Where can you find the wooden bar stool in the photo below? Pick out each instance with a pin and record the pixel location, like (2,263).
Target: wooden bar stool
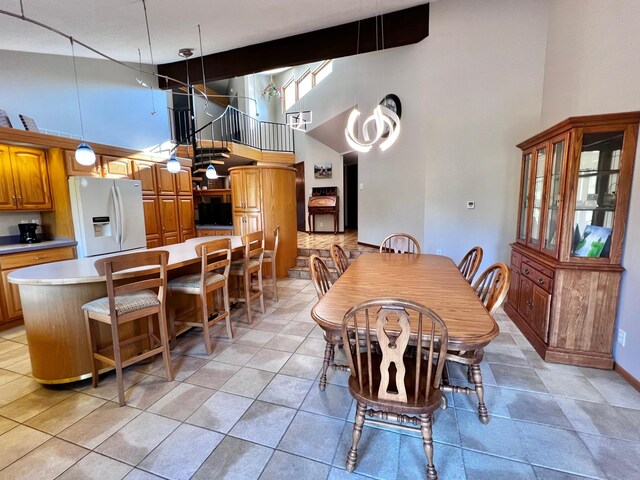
(270,257)
(214,273)
(246,267)
(125,303)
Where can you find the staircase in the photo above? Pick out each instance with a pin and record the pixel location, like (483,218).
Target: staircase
(301,269)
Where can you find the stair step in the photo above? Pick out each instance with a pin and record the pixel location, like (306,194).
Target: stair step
(305,273)
(302,261)
(324,253)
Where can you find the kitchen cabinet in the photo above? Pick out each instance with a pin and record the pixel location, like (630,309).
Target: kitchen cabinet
(169,220)
(575,186)
(106,166)
(145,172)
(187,226)
(24,179)
(74,169)
(115,167)
(246,192)
(184,186)
(151,208)
(166,180)
(12,308)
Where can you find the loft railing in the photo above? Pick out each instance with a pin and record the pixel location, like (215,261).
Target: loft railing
(231,126)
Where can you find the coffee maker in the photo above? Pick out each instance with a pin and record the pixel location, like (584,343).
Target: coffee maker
(28,233)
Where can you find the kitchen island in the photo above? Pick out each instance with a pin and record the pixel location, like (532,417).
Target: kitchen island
(52,297)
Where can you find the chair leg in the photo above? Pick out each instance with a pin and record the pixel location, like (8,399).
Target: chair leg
(427,442)
(225,293)
(247,295)
(92,348)
(164,339)
(328,353)
(117,357)
(352,457)
(261,289)
(483,413)
(150,331)
(275,280)
(204,310)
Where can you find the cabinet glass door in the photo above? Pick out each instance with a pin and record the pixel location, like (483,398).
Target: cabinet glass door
(553,197)
(596,189)
(538,190)
(524,199)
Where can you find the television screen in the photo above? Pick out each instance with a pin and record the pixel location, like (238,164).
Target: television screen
(215,214)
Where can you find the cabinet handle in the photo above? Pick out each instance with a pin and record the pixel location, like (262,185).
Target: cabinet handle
(529,304)
(19,199)
(13,197)
(41,258)
(541,281)
(526,270)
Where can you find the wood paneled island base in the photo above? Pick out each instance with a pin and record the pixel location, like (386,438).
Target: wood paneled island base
(52,298)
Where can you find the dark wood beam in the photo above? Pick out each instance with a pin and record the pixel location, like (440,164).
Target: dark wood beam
(402,27)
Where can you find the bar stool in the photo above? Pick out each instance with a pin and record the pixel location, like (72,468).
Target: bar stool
(214,255)
(247,266)
(125,303)
(270,257)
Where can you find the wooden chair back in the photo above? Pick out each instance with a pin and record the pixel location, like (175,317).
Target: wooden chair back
(320,275)
(470,263)
(28,123)
(253,246)
(5,121)
(400,243)
(380,364)
(154,260)
(214,255)
(339,258)
(492,286)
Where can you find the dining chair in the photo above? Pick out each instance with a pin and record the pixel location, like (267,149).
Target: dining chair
(5,121)
(270,258)
(339,258)
(491,288)
(470,263)
(28,123)
(250,264)
(400,243)
(322,282)
(125,303)
(215,260)
(391,383)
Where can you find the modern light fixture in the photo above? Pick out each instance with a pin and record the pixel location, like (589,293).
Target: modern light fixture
(173,165)
(84,153)
(299,120)
(211,172)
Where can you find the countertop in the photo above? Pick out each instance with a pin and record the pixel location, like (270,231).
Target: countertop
(28,247)
(70,272)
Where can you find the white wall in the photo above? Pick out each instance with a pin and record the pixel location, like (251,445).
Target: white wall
(115,109)
(592,67)
(9,222)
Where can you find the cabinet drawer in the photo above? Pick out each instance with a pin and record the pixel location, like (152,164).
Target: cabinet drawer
(538,278)
(546,271)
(516,258)
(27,259)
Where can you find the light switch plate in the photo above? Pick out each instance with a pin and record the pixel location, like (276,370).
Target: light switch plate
(362,186)
(471,204)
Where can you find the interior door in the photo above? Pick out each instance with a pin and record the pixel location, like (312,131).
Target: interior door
(300,197)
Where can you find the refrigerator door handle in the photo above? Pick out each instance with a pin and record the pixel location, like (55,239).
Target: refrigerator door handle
(120,215)
(116,207)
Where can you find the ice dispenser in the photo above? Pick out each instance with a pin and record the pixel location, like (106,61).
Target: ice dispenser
(101,227)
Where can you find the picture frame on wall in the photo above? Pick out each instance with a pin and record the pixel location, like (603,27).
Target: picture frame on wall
(323,170)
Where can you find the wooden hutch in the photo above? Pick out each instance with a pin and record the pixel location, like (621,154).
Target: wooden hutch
(566,262)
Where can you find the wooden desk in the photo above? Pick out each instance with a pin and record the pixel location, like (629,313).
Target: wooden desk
(431,280)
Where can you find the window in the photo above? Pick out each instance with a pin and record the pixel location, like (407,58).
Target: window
(322,71)
(289,94)
(305,83)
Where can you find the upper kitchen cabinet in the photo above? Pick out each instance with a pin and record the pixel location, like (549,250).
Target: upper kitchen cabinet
(166,180)
(105,166)
(566,267)
(146,173)
(184,186)
(115,167)
(74,169)
(24,179)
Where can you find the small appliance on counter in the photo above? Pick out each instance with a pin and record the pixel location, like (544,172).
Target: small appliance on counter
(28,233)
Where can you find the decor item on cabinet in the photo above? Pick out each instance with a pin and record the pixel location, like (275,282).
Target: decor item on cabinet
(574,197)
(84,153)
(5,121)
(28,123)
(323,170)
(384,120)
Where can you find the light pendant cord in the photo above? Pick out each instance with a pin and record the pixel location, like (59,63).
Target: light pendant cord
(75,74)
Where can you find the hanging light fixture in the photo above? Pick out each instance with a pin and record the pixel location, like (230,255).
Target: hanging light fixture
(84,153)
(173,165)
(211,172)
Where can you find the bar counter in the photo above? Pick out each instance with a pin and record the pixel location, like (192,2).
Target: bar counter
(52,296)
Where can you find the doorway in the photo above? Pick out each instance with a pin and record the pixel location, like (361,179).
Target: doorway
(300,197)
(350,172)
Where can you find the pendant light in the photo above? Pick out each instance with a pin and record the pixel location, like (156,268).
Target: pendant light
(211,172)
(84,153)
(173,165)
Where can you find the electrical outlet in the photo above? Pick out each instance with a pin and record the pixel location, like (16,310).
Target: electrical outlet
(438,251)
(622,337)
(362,186)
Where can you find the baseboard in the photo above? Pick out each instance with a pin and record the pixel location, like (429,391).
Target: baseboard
(368,245)
(633,381)
(11,324)
(340,232)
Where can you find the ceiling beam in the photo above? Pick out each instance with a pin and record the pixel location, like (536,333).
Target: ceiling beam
(402,27)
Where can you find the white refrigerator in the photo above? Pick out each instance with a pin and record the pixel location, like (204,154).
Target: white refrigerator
(108,215)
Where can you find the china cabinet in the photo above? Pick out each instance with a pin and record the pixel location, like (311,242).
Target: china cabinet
(575,187)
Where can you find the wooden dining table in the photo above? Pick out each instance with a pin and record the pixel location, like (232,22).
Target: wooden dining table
(431,280)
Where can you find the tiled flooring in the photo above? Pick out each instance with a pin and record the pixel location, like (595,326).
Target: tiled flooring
(347,240)
(253,410)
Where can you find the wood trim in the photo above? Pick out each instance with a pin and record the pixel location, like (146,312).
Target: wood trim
(631,380)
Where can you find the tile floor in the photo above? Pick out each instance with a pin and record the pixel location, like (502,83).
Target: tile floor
(253,410)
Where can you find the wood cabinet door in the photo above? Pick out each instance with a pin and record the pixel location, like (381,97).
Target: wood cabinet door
(239,227)
(169,220)
(187,226)
(116,167)
(11,297)
(151,208)
(252,190)
(253,222)
(166,180)
(31,178)
(237,190)
(8,199)
(74,169)
(153,241)
(514,289)
(146,173)
(524,298)
(183,182)
(539,319)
